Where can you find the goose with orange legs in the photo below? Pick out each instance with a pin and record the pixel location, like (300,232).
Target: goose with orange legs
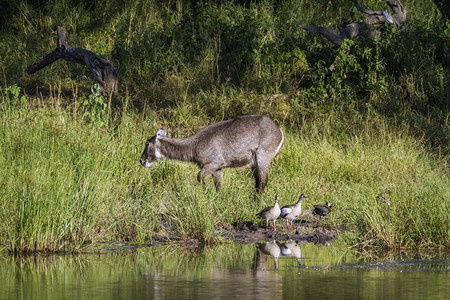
(271,213)
(292,212)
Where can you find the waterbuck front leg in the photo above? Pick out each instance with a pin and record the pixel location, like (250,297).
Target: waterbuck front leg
(210,170)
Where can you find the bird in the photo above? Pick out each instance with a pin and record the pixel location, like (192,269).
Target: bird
(322,210)
(271,213)
(291,212)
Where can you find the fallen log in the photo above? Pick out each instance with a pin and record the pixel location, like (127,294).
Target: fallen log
(102,69)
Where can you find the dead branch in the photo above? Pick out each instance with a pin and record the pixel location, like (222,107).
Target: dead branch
(349,32)
(380,17)
(102,69)
(374,18)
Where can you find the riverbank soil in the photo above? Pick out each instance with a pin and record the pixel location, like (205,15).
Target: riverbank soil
(302,230)
(307,229)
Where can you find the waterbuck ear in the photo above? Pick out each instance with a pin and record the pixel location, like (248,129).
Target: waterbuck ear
(161,132)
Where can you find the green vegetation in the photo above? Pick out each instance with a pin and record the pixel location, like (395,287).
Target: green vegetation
(378,124)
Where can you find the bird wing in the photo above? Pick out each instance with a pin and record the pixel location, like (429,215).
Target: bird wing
(264,210)
(286,251)
(285,211)
(321,209)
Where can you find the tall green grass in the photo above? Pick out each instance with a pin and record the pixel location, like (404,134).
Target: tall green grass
(68,183)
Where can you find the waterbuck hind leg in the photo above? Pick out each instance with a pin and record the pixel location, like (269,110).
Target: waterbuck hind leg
(217,175)
(199,176)
(261,177)
(256,176)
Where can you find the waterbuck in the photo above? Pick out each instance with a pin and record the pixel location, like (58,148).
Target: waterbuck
(245,141)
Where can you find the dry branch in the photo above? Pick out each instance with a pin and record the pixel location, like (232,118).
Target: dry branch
(355,29)
(102,69)
(349,32)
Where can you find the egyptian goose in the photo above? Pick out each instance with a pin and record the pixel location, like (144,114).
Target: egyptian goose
(291,212)
(271,213)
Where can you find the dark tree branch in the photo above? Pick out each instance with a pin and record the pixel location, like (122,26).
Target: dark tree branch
(383,16)
(102,69)
(349,32)
(352,30)
(366,11)
(48,59)
(399,12)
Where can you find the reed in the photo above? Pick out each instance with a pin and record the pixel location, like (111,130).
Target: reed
(69,184)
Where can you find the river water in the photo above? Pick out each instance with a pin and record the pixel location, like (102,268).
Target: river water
(233,271)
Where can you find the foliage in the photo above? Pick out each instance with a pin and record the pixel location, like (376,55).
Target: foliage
(95,107)
(11,96)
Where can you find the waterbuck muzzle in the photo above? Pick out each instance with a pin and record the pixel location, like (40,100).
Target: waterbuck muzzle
(151,152)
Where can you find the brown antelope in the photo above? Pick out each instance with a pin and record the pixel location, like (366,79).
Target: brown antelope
(245,141)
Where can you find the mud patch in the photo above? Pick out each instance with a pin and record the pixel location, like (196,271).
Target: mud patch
(302,231)
(308,230)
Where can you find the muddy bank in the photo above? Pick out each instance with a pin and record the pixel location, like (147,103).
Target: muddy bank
(303,231)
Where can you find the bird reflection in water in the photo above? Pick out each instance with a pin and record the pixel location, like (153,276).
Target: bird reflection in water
(290,248)
(268,248)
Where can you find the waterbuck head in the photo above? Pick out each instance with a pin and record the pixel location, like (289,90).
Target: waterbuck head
(151,151)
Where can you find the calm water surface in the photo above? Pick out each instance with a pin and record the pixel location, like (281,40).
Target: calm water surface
(234,271)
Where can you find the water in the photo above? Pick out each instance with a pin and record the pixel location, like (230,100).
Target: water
(233,271)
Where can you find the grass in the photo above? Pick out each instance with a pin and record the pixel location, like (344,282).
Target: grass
(70,184)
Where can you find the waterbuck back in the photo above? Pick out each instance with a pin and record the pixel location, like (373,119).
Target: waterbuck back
(245,141)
